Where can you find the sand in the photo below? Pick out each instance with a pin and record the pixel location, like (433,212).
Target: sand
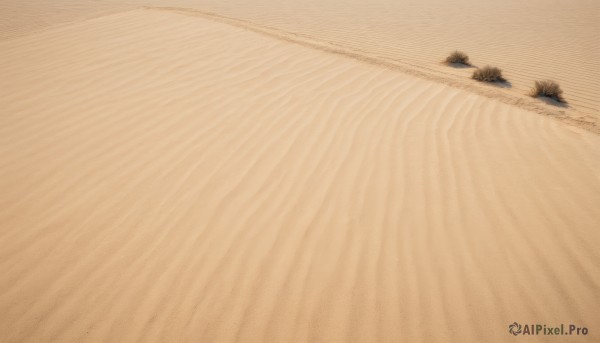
(529,40)
(169,175)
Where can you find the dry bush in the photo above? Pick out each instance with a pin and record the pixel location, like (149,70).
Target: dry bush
(548,89)
(488,74)
(458,57)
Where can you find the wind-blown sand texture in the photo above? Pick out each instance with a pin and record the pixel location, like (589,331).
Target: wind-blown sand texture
(529,40)
(168,175)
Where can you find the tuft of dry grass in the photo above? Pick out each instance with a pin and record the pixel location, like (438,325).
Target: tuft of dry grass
(458,57)
(548,89)
(488,74)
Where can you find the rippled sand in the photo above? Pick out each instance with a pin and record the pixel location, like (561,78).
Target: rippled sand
(176,175)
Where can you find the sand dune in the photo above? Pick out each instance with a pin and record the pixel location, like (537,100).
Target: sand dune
(530,40)
(167,177)
(19,18)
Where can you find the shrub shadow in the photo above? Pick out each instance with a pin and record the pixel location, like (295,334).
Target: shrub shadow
(459,65)
(553,102)
(501,84)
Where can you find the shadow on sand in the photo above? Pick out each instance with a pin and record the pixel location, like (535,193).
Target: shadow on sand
(459,65)
(553,102)
(501,84)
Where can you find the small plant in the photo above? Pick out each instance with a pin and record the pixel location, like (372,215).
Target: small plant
(488,74)
(459,58)
(548,89)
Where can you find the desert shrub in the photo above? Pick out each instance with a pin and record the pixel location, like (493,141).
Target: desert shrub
(458,57)
(548,89)
(488,74)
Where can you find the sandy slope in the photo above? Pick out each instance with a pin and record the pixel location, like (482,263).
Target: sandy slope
(530,40)
(165,177)
(22,17)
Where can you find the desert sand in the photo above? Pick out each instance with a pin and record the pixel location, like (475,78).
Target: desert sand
(202,173)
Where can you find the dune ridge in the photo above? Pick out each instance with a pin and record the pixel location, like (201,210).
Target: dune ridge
(344,202)
(522,100)
(21,18)
(535,40)
(530,41)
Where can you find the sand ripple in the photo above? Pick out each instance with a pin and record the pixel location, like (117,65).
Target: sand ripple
(165,177)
